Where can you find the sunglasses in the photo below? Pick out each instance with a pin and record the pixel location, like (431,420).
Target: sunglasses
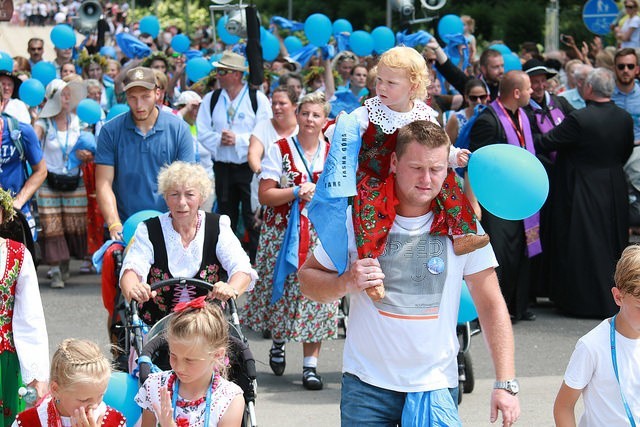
(36,48)
(224,72)
(476,98)
(630,6)
(621,67)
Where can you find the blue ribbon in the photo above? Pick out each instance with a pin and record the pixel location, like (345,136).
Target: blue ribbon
(328,208)
(342,41)
(147,360)
(96,259)
(412,40)
(451,49)
(430,408)
(287,261)
(287,24)
(304,55)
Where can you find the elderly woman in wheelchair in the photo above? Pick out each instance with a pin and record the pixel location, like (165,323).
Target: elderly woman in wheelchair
(185,242)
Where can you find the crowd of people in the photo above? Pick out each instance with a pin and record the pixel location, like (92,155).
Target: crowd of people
(240,174)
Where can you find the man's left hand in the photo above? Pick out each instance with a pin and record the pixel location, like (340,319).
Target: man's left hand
(508,404)
(228,138)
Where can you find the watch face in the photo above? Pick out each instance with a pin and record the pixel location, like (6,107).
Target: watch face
(514,386)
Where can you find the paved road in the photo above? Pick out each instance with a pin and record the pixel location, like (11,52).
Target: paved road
(543,348)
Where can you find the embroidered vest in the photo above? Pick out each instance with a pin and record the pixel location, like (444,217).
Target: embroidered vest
(13,265)
(210,270)
(374,158)
(532,223)
(30,418)
(278,216)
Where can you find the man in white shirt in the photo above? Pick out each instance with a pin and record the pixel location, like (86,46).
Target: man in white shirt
(225,130)
(403,348)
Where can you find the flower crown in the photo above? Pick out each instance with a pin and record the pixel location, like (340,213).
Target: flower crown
(84,60)
(157,55)
(6,204)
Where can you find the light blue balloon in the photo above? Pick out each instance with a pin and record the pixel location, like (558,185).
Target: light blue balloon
(450,25)
(44,71)
(511,62)
(181,43)
(383,39)
(293,44)
(342,26)
(6,62)
(508,181)
(198,68)
(130,225)
(467,311)
(31,92)
(318,29)
(89,111)
(120,395)
(270,47)
(63,36)
(503,49)
(150,25)
(108,51)
(116,110)
(225,36)
(361,43)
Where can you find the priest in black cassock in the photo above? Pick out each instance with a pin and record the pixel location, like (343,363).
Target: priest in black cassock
(589,205)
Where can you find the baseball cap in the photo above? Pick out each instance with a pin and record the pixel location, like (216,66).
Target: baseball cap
(140,77)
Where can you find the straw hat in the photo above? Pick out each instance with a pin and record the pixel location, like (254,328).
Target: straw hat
(231,61)
(53,92)
(186,97)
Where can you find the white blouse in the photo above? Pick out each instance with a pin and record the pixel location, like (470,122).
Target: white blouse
(58,145)
(272,162)
(29,327)
(185,262)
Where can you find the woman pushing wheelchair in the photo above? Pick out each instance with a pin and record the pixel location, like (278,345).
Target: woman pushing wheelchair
(185,242)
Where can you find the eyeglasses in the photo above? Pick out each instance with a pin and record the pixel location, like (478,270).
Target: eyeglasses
(630,6)
(36,48)
(224,72)
(621,67)
(477,98)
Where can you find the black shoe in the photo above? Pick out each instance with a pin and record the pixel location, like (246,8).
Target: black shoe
(310,379)
(528,316)
(277,352)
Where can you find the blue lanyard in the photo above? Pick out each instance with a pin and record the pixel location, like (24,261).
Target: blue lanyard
(614,360)
(207,408)
(304,160)
(65,154)
(231,118)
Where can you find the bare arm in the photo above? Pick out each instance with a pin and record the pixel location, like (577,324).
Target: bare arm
(107,200)
(255,154)
(452,128)
(323,285)
(31,185)
(564,406)
(468,191)
(233,415)
(329,82)
(498,333)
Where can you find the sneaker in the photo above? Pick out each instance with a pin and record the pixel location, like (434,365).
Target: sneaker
(56,280)
(87,268)
(310,379)
(277,359)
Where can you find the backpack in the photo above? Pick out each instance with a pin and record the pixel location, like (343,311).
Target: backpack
(252,96)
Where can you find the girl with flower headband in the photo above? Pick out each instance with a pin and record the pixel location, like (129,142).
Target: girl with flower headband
(80,375)
(24,346)
(195,393)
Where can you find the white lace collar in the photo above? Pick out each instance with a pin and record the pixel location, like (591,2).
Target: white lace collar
(389,120)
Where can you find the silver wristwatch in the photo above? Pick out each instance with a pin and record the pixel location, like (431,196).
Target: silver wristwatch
(512,386)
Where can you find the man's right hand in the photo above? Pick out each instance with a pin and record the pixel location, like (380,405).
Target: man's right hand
(115,232)
(364,273)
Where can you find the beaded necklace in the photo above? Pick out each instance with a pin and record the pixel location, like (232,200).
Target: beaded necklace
(53,417)
(173,385)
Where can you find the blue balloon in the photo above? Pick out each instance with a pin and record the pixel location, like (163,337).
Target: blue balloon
(293,44)
(108,51)
(130,225)
(31,92)
(270,46)
(225,36)
(318,29)
(511,62)
(450,25)
(6,62)
(198,68)
(503,49)
(116,110)
(383,39)
(181,43)
(467,311)
(361,43)
(342,26)
(63,36)
(508,181)
(89,111)
(150,25)
(44,71)
(120,395)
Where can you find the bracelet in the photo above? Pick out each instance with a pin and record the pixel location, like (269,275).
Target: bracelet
(296,191)
(114,225)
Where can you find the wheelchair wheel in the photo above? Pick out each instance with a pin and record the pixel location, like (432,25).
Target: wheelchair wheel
(470,381)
